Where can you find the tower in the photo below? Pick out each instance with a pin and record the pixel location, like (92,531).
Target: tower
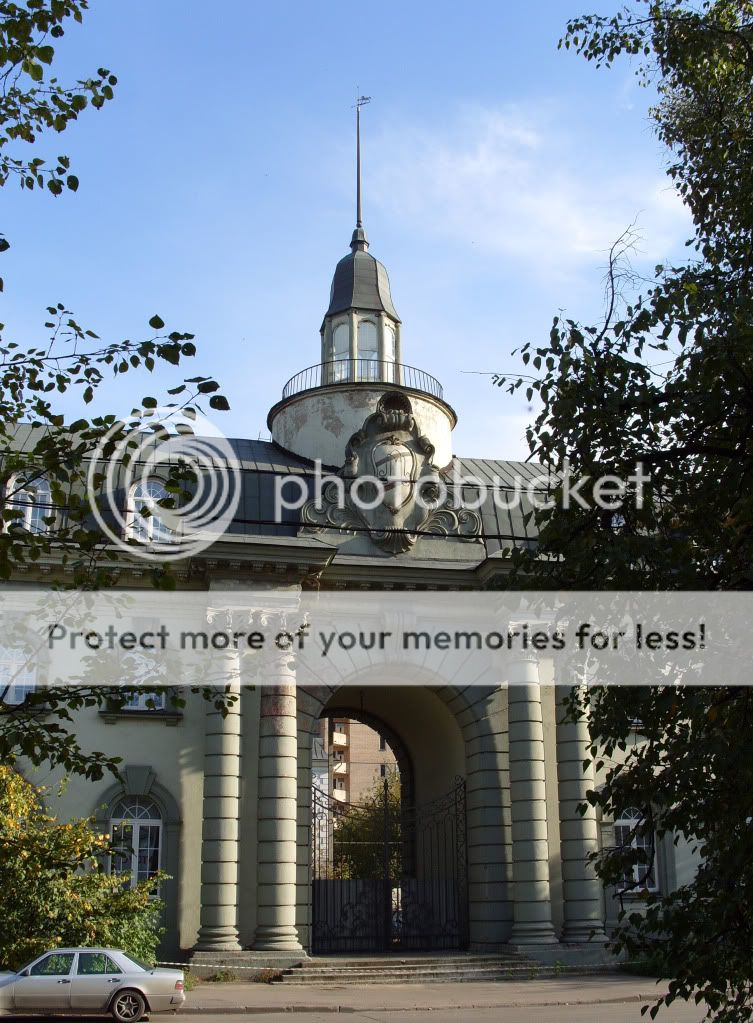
(360,363)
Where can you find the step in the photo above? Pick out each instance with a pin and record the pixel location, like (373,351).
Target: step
(359,962)
(402,968)
(535,972)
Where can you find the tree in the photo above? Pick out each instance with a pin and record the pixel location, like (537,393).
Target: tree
(363,832)
(55,891)
(665,382)
(37,440)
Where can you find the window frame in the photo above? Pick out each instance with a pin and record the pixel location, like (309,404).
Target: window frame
(630,818)
(368,358)
(136,825)
(33,512)
(104,973)
(142,528)
(45,958)
(25,688)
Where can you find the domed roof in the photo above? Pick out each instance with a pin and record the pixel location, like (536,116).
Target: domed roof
(360,281)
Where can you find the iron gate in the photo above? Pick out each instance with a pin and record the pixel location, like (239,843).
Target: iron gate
(389,877)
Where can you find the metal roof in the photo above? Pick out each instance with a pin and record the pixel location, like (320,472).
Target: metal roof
(360,282)
(263,464)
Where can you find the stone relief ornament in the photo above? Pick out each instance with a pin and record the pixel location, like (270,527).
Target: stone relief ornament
(389,485)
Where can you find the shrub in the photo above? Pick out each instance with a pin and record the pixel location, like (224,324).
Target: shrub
(54,889)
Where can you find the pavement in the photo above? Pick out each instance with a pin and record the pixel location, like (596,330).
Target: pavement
(243,999)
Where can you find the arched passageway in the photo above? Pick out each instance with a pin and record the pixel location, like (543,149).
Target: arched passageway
(433,892)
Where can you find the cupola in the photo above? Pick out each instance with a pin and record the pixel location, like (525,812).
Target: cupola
(360,359)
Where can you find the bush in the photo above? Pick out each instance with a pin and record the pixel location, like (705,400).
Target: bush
(54,890)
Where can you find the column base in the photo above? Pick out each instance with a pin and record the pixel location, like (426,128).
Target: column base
(533,934)
(583,934)
(276,939)
(217,939)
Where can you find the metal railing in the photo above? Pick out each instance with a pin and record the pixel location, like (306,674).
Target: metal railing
(362,371)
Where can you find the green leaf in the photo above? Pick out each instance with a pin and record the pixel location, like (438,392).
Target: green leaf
(219,402)
(157,322)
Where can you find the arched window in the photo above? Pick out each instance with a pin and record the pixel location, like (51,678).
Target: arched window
(341,352)
(368,351)
(143,520)
(18,675)
(30,494)
(625,837)
(388,366)
(136,829)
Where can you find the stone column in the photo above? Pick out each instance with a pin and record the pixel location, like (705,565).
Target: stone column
(583,919)
(532,911)
(219,839)
(278,803)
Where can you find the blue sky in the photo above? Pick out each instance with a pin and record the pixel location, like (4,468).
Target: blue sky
(218,189)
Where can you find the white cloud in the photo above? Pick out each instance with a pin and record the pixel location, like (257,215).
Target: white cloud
(522,184)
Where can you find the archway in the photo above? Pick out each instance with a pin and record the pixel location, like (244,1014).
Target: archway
(447,730)
(429,729)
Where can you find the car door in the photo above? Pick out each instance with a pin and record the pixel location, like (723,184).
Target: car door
(48,984)
(96,978)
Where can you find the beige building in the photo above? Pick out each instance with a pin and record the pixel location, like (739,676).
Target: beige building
(358,756)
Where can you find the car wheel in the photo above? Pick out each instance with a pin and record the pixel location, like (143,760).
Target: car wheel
(127,1006)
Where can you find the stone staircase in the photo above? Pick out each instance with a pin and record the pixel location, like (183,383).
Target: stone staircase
(328,971)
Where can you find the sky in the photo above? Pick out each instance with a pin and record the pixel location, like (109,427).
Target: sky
(218,190)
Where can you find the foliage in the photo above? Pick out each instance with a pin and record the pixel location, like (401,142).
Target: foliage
(360,830)
(665,382)
(31,100)
(37,439)
(55,892)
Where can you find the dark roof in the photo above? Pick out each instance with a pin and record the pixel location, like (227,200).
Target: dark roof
(360,282)
(262,462)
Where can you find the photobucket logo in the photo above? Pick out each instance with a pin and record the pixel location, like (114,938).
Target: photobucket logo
(163,484)
(462,491)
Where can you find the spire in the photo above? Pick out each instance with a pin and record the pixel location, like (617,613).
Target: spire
(359,241)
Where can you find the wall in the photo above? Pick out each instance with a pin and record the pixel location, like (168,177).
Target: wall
(319,424)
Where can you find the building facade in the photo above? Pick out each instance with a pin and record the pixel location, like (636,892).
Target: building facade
(223,804)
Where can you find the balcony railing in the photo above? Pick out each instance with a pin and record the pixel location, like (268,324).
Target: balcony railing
(362,371)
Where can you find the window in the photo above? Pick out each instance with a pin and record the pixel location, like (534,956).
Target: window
(136,827)
(382,743)
(144,521)
(382,770)
(95,963)
(145,700)
(341,352)
(339,782)
(138,963)
(626,838)
(18,675)
(58,964)
(368,351)
(388,366)
(30,494)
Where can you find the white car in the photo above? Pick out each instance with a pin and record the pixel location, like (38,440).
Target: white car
(93,981)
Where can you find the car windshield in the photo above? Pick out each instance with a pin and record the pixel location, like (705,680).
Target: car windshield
(138,963)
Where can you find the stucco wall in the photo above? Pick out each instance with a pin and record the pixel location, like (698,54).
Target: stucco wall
(319,424)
